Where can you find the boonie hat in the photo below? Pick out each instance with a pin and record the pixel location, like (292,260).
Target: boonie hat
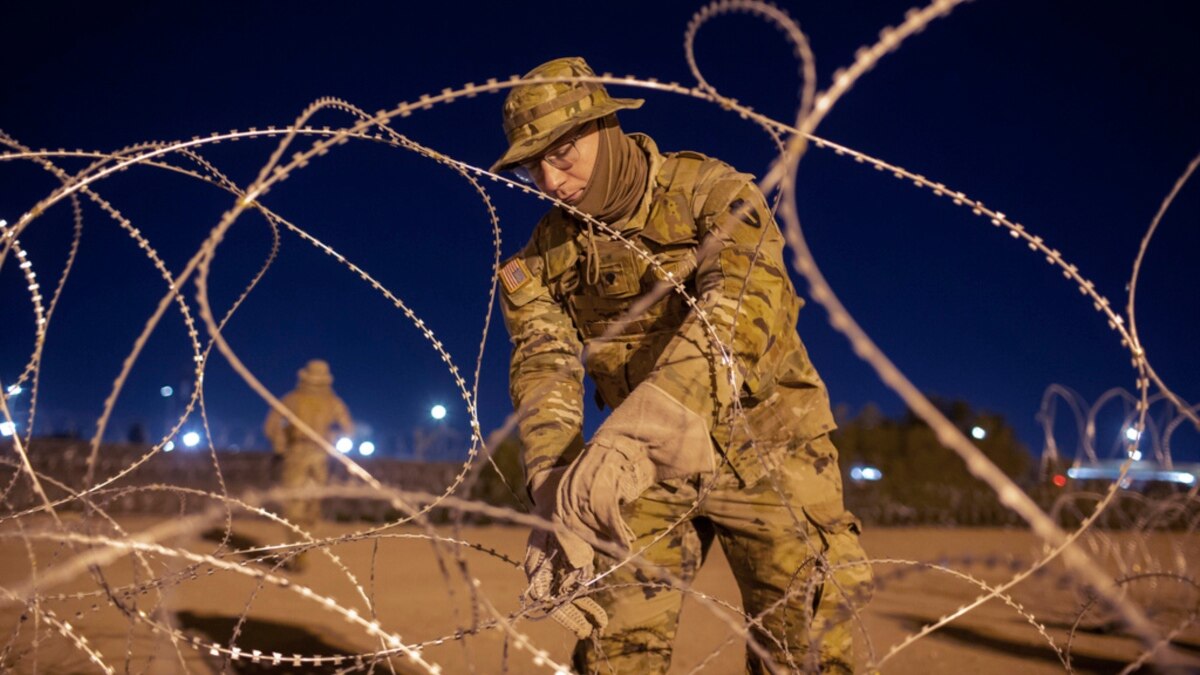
(537,115)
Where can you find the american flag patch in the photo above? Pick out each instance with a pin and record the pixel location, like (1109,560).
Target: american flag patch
(514,275)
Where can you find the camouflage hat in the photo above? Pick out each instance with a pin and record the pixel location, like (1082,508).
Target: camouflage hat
(315,372)
(537,115)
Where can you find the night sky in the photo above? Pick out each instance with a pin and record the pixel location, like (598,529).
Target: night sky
(1074,118)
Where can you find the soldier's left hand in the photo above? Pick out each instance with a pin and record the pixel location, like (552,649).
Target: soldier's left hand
(648,438)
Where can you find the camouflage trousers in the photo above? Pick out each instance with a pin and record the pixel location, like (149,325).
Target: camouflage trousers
(792,547)
(303,467)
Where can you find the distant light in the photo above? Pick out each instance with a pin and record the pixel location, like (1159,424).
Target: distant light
(7,428)
(191,439)
(438,412)
(1060,480)
(169,446)
(1135,455)
(978,433)
(1132,434)
(166,392)
(861,473)
(1111,473)
(14,389)
(366,448)
(344,445)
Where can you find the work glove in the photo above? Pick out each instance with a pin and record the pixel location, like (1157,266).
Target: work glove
(650,437)
(550,575)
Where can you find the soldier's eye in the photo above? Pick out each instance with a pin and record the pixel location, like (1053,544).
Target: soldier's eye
(560,151)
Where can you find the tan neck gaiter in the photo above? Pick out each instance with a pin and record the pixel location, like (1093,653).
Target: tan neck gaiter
(619,178)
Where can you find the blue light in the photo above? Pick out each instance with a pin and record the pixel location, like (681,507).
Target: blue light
(1111,473)
(861,473)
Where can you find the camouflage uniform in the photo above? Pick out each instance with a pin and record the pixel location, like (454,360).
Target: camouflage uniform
(710,227)
(305,464)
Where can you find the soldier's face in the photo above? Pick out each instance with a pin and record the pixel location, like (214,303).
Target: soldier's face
(568,183)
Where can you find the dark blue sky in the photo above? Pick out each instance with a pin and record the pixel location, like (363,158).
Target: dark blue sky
(1074,118)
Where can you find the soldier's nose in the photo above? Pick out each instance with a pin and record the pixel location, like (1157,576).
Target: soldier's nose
(552,178)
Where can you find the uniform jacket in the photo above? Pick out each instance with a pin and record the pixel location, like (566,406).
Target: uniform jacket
(316,406)
(567,300)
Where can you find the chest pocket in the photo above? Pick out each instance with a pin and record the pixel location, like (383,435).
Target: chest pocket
(672,235)
(670,221)
(561,253)
(620,270)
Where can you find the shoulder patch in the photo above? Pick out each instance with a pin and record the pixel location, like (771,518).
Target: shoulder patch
(515,275)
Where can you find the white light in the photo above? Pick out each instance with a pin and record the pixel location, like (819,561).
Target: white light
(366,448)
(1111,473)
(1132,434)
(344,445)
(191,439)
(169,446)
(978,433)
(15,389)
(438,412)
(166,391)
(7,428)
(861,473)
(1135,455)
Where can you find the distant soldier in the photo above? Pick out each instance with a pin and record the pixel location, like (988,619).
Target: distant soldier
(304,463)
(577,299)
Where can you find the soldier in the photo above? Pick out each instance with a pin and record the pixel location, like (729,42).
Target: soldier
(304,463)
(747,447)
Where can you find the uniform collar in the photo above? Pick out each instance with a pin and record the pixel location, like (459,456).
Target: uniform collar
(636,221)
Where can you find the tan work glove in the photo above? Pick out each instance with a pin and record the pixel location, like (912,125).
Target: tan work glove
(550,575)
(651,437)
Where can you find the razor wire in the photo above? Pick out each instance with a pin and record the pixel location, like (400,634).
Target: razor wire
(1071,533)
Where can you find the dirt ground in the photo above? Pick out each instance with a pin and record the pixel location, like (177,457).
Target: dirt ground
(421,597)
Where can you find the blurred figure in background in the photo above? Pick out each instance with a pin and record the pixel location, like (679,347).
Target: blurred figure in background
(304,463)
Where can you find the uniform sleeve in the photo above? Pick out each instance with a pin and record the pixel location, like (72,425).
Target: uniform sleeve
(744,290)
(546,375)
(344,422)
(273,428)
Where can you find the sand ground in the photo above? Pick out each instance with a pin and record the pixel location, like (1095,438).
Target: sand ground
(419,598)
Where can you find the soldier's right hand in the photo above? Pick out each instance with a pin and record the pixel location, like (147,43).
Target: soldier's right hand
(553,583)
(555,587)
